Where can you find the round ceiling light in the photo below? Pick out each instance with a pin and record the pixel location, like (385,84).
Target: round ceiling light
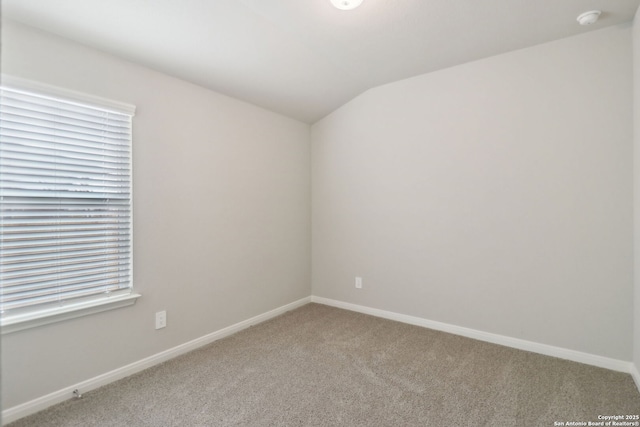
(589,18)
(346,4)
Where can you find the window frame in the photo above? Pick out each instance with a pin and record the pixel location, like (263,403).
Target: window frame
(43,316)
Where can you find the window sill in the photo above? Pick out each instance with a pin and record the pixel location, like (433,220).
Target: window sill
(45,317)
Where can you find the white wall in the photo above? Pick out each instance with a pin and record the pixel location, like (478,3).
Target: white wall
(496,195)
(221,216)
(636,180)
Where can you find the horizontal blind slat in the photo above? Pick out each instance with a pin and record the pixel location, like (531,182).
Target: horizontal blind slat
(23,262)
(122,178)
(66,296)
(115,136)
(18,152)
(34,139)
(59,244)
(50,251)
(85,274)
(14,153)
(18,137)
(35,102)
(40,139)
(33,118)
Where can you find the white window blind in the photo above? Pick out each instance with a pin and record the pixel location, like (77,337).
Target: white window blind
(65,194)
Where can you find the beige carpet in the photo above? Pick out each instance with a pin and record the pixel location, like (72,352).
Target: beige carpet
(322,366)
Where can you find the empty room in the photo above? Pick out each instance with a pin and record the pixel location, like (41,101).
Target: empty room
(320,213)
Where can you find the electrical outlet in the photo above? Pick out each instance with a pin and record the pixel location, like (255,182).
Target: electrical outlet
(161,319)
(358,282)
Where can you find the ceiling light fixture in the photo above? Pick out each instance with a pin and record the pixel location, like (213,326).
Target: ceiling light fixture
(589,18)
(346,4)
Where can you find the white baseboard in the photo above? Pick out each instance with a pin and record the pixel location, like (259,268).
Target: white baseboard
(636,375)
(548,350)
(33,406)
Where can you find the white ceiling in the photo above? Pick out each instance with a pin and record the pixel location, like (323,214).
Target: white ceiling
(304,58)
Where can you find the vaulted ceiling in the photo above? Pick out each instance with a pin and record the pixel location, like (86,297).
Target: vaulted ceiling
(304,58)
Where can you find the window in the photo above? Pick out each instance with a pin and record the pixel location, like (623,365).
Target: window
(65,206)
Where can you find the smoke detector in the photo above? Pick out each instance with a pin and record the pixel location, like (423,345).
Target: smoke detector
(346,4)
(589,18)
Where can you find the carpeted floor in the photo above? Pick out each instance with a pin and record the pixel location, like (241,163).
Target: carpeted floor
(322,366)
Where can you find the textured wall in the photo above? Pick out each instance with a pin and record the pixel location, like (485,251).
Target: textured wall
(496,195)
(221,217)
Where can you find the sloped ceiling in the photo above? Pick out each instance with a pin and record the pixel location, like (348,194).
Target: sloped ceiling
(304,58)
